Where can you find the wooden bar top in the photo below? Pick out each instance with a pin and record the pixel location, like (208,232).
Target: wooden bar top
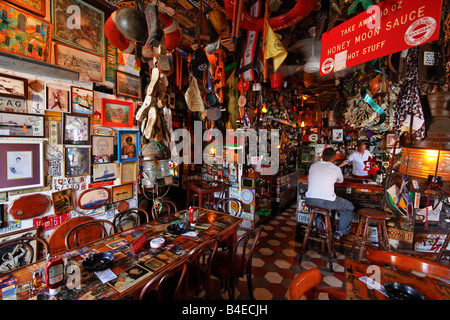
(350,183)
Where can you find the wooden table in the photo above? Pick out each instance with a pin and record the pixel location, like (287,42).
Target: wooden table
(133,270)
(200,187)
(355,289)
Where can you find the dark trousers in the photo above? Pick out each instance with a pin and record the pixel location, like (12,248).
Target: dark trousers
(341,205)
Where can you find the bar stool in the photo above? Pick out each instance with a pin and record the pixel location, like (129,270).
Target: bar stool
(368,215)
(323,238)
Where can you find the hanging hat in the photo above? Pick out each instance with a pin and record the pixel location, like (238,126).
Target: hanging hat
(132,24)
(199,64)
(116,37)
(171,31)
(219,22)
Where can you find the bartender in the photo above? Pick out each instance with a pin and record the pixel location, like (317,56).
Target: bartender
(360,161)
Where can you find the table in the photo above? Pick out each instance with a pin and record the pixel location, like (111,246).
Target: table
(200,187)
(133,270)
(355,289)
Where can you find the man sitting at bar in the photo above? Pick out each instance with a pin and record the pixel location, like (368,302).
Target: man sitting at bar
(321,179)
(360,161)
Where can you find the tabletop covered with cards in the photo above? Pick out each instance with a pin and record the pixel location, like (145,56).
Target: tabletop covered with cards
(133,266)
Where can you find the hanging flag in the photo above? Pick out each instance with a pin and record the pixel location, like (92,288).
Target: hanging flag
(274,48)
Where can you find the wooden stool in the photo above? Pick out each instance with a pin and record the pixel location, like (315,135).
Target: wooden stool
(368,215)
(321,237)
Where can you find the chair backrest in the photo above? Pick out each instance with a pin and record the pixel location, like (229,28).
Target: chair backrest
(171,209)
(10,261)
(252,237)
(133,215)
(405,263)
(96,227)
(211,194)
(224,204)
(303,283)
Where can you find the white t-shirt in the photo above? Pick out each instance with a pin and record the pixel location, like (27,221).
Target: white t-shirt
(321,179)
(358,162)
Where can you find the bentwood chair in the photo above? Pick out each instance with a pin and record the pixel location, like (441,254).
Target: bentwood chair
(224,205)
(303,284)
(96,228)
(211,198)
(129,218)
(169,205)
(20,247)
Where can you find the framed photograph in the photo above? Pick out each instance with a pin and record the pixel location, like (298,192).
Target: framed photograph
(338,135)
(117,113)
(13,257)
(102,149)
(88,65)
(82,100)
(93,198)
(122,192)
(128,172)
(62,201)
(89,36)
(128,85)
(21,164)
(104,172)
(58,98)
(77,161)
(13,87)
(24,34)
(390,140)
(128,145)
(21,125)
(75,129)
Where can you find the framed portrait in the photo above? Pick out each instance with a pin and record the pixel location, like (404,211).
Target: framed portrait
(89,36)
(128,85)
(21,164)
(77,161)
(62,201)
(58,98)
(21,125)
(117,113)
(122,192)
(17,256)
(75,129)
(128,172)
(13,87)
(82,100)
(93,198)
(128,145)
(24,34)
(102,149)
(104,172)
(88,65)
(36,6)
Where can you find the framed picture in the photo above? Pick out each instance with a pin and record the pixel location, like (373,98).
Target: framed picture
(390,140)
(82,100)
(104,172)
(75,129)
(21,164)
(21,125)
(128,85)
(88,65)
(62,201)
(122,192)
(77,161)
(25,34)
(89,35)
(117,113)
(36,6)
(13,105)
(58,98)
(13,87)
(128,145)
(338,135)
(128,172)
(102,149)
(13,257)
(93,198)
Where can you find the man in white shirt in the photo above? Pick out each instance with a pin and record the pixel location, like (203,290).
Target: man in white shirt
(321,179)
(361,155)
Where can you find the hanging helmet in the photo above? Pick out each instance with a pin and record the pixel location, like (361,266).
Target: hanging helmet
(132,24)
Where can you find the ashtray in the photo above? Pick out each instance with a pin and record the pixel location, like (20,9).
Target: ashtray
(399,291)
(176,228)
(98,261)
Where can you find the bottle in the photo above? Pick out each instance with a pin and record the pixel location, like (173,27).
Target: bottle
(54,274)
(37,280)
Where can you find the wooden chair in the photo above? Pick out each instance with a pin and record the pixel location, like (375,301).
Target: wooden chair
(405,263)
(211,199)
(303,284)
(132,215)
(165,203)
(232,264)
(96,228)
(224,204)
(23,242)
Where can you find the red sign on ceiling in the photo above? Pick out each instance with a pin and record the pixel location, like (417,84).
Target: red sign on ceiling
(383,29)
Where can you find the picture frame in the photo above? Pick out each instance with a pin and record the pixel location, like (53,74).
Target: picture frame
(121,192)
(62,201)
(82,100)
(390,140)
(128,85)
(88,65)
(93,198)
(21,164)
(14,257)
(117,113)
(38,7)
(76,129)
(102,149)
(77,161)
(58,98)
(13,105)
(13,87)
(89,35)
(128,172)
(338,135)
(128,145)
(104,172)
(25,34)
(22,125)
